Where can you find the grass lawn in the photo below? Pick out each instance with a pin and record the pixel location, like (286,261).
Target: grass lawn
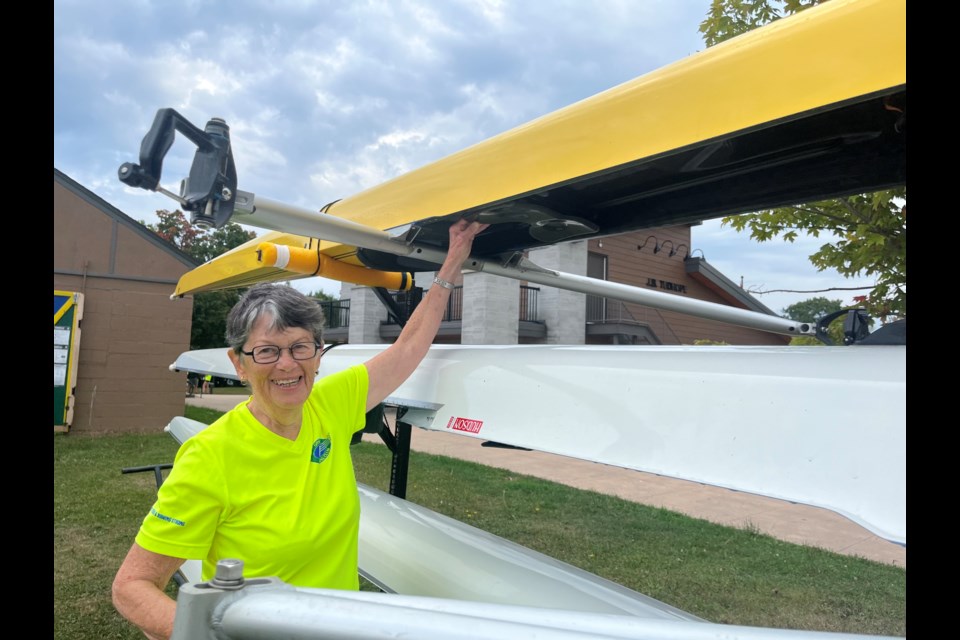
(722,574)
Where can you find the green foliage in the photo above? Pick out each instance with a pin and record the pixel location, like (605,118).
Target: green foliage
(871,232)
(209,308)
(322,296)
(218,241)
(202,245)
(174,227)
(870,229)
(811,310)
(729,18)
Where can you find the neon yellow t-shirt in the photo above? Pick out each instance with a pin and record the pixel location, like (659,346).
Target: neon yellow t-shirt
(287,509)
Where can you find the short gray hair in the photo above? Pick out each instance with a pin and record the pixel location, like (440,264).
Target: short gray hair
(284,305)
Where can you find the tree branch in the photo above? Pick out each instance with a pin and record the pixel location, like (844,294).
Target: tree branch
(760,293)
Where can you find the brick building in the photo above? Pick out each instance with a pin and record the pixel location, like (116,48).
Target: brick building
(490,309)
(131,330)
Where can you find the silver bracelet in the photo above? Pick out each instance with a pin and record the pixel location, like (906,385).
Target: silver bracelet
(443,283)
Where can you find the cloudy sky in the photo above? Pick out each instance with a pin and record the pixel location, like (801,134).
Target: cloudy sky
(325,99)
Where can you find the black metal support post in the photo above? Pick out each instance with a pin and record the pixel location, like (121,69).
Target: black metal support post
(401,460)
(156,468)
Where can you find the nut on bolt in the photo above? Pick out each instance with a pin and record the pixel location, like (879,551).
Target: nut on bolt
(229,574)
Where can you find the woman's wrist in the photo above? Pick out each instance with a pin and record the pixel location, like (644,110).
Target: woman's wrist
(450,274)
(446,284)
(452,279)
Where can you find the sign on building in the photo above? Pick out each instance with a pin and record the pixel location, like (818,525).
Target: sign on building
(67,313)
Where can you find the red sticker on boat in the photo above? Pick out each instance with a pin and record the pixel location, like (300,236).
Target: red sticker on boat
(464,424)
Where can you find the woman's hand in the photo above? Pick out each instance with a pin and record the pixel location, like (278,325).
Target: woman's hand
(388,369)
(462,233)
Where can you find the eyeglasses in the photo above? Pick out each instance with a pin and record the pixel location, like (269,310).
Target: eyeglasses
(268,354)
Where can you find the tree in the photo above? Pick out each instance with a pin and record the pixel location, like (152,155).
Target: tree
(322,296)
(202,245)
(729,18)
(334,314)
(811,310)
(210,308)
(870,229)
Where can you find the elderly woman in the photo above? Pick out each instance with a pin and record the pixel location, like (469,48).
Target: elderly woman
(271,482)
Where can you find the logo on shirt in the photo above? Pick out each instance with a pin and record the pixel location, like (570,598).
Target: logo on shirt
(320,451)
(157,514)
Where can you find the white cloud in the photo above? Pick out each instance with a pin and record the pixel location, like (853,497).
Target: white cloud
(325,99)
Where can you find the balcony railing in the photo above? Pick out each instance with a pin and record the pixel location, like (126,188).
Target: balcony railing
(605,311)
(529,297)
(596,309)
(529,308)
(336,313)
(599,311)
(454,310)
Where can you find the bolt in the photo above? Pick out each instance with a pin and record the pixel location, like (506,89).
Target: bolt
(229,573)
(226,194)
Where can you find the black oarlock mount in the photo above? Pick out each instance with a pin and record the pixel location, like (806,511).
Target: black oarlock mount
(856,326)
(208,194)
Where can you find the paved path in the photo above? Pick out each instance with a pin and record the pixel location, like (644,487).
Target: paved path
(795,523)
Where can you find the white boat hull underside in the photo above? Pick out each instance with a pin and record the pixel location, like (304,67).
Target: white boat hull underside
(824,426)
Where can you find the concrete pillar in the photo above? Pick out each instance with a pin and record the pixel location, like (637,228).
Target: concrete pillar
(563,312)
(366,314)
(491,309)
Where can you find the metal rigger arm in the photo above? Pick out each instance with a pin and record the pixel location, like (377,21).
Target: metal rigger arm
(210,195)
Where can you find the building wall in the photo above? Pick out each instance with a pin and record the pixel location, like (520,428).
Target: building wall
(491,309)
(131,331)
(490,315)
(367,314)
(564,312)
(631,260)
